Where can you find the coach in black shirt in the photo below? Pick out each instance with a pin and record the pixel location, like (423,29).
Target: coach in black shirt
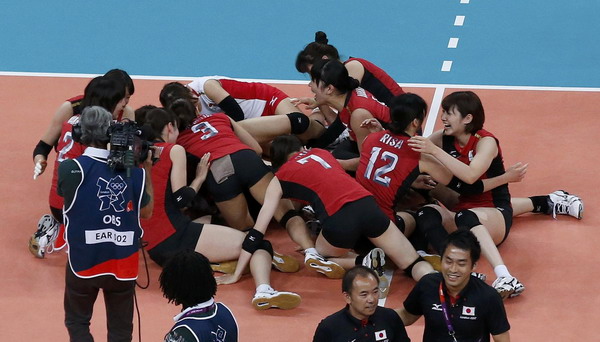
(456,305)
(361,320)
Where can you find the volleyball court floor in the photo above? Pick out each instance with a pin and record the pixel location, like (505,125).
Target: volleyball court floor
(555,131)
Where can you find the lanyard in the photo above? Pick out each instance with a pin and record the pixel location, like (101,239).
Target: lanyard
(445,312)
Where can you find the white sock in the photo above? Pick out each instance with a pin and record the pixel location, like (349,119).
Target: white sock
(501,271)
(311,250)
(264,288)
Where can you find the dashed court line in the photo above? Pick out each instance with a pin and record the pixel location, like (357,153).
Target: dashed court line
(446,65)
(459,20)
(452,43)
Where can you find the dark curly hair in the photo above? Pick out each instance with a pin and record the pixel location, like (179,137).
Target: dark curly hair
(187,279)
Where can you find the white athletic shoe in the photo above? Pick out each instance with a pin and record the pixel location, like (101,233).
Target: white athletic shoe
(478,275)
(329,268)
(375,260)
(41,241)
(563,203)
(275,299)
(508,287)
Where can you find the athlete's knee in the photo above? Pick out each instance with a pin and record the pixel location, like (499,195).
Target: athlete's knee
(287,216)
(427,216)
(298,122)
(253,241)
(466,220)
(406,221)
(408,270)
(267,246)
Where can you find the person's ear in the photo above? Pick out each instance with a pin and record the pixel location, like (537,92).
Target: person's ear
(416,123)
(347,297)
(329,89)
(467,119)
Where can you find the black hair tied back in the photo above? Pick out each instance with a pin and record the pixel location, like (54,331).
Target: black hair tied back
(321,37)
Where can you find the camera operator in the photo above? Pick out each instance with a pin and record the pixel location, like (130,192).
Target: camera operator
(102,209)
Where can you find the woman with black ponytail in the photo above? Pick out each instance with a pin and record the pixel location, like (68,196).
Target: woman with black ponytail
(371,77)
(334,87)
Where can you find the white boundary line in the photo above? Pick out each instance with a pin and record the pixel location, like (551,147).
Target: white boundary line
(434,109)
(410,85)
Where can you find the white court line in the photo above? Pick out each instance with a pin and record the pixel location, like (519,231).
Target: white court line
(447,66)
(434,109)
(459,20)
(464,1)
(452,43)
(305,82)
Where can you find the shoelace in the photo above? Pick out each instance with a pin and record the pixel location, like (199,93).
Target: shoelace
(52,241)
(560,208)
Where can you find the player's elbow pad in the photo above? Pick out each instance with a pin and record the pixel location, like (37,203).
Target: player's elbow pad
(230,106)
(466,188)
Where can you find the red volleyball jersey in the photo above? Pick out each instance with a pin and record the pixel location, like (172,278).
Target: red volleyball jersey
(211,133)
(378,82)
(498,197)
(66,148)
(360,98)
(315,177)
(387,168)
(159,227)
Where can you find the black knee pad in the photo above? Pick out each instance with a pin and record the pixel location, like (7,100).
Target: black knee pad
(252,241)
(399,221)
(299,122)
(408,270)
(287,216)
(466,220)
(426,215)
(266,245)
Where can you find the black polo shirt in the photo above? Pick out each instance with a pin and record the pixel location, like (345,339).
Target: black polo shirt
(477,313)
(383,326)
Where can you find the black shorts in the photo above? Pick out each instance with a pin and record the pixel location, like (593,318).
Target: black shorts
(364,245)
(249,169)
(185,238)
(346,149)
(361,218)
(507,212)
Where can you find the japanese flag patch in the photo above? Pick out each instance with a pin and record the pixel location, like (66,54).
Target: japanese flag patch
(468,311)
(380,335)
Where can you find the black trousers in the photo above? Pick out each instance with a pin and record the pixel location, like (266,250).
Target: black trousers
(80,295)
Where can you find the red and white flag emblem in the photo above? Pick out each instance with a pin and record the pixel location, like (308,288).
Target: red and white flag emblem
(468,311)
(380,335)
